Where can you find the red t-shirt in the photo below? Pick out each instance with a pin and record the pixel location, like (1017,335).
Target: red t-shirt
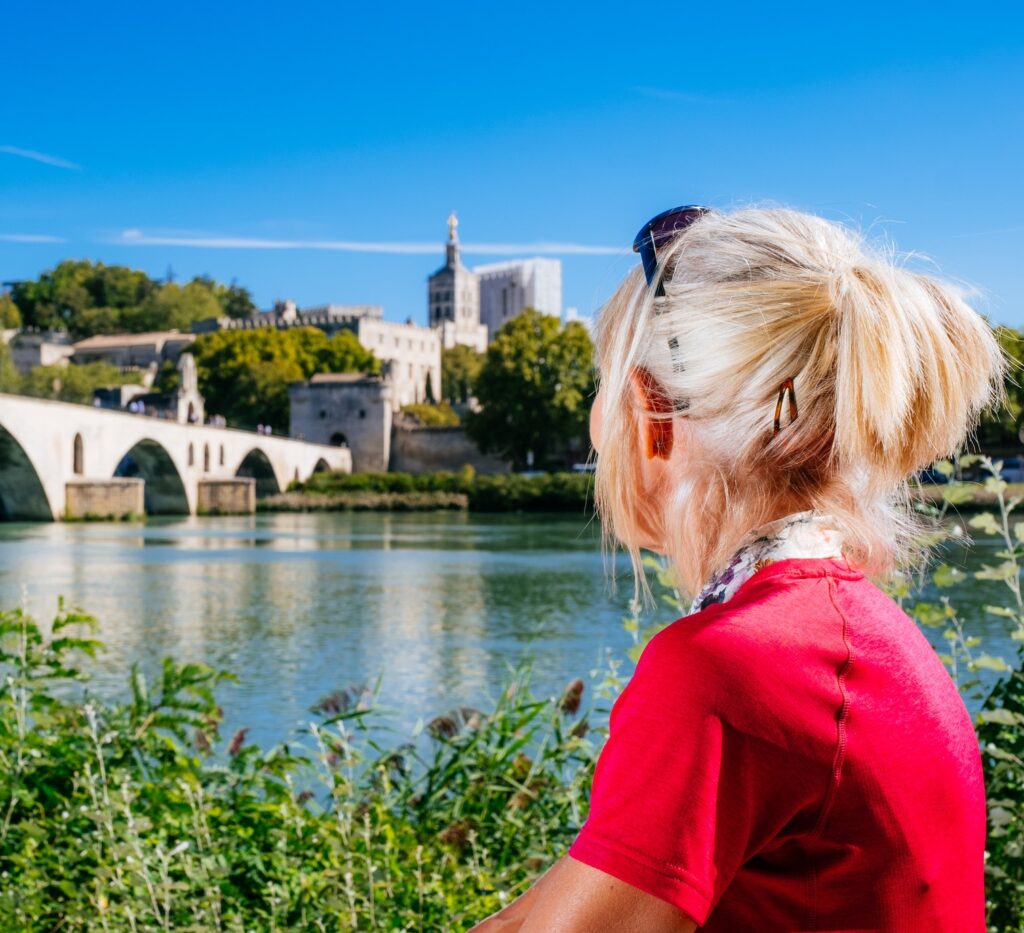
(796,758)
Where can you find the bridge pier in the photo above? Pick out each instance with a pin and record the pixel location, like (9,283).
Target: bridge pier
(122,497)
(227,496)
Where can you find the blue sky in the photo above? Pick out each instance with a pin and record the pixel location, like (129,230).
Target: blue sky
(232,127)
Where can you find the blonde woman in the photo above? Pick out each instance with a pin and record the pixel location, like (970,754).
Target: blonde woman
(791,755)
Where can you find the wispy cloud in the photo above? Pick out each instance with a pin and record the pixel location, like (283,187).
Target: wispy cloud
(40,157)
(30,238)
(662,93)
(139,238)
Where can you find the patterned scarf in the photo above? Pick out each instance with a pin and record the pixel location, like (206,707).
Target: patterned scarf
(802,534)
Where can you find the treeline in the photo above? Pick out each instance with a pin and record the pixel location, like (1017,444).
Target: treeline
(244,374)
(86,298)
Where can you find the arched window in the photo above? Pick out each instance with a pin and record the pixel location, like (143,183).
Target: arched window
(206,458)
(222,455)
(78,456)
(339,440)
(191,455)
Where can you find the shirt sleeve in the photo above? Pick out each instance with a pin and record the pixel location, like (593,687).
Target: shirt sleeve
(683,794)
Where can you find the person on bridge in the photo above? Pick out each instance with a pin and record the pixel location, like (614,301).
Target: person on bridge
(791,755)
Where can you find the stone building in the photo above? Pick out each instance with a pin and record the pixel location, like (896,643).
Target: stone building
(507,288)
(133,351)
(354,410)
(453,299)
(40,348)
(351,410)
(413,352)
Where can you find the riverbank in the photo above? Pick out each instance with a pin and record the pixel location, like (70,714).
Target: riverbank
(515,492)
(363,501)
(506,492)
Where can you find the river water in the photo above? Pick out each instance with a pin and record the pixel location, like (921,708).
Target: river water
(298,605)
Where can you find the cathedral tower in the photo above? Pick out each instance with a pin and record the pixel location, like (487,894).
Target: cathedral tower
(453,298)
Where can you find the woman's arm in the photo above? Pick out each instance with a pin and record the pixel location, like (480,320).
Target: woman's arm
(571,897)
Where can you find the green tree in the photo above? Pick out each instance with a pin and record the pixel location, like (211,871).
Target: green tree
(10,378)
(244,374)
(535,389)
(10,315)
(1001,425)
(172,307)
(234,301)
(73,383)
(89,298)
(460,366)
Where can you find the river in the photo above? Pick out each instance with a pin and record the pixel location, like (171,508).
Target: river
(438,604)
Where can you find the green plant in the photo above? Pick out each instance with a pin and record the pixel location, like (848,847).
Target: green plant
(440,415)
(138,815)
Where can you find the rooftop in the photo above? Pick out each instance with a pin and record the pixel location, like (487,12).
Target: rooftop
(344,377)
(106,341)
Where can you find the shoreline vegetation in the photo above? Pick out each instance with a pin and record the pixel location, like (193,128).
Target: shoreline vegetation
(465,489)
(516,492)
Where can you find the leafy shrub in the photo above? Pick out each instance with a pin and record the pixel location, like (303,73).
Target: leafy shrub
(138,816)
(441,415)
(502,492)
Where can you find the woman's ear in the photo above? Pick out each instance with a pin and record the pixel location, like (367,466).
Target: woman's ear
(655,433)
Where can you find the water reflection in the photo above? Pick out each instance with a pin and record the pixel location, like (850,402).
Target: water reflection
(299,605)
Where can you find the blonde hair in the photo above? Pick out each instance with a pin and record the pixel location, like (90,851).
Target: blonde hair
(891,369)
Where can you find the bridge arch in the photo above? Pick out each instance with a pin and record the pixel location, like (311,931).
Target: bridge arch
(164,492)
(257,465)
(21,491)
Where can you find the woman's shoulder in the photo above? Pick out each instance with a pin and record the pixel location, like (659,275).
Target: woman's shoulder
(784,599)
(783,626)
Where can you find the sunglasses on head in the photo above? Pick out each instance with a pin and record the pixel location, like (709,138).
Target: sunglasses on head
(657,233)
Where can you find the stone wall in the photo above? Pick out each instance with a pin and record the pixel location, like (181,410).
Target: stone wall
(104,498)
(345,409)
(227,496)
(417,449)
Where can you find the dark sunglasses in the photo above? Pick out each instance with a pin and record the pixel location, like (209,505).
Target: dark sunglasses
(660,231)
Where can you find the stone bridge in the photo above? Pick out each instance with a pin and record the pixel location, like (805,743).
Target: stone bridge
(50,452)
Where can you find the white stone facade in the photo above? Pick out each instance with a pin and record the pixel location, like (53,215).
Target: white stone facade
(507,288)
(414,355)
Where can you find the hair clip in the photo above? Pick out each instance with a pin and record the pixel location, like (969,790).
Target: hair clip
(786,385)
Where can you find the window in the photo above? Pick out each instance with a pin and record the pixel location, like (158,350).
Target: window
(191,455)
(206,458)
(362,412)
(222,455)
(323,413)
(78,456)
